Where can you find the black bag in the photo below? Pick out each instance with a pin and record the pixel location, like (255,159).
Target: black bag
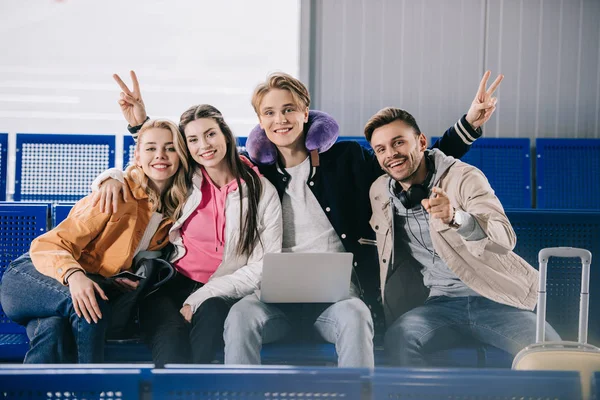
(154,272)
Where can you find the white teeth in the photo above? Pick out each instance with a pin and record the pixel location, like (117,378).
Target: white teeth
(160,166)
(282,130)
(208,153)
(395,164)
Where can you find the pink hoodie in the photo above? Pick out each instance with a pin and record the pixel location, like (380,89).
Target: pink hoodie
(203,232)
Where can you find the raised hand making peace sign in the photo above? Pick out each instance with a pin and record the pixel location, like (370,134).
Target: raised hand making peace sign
(131,102)
(483,104)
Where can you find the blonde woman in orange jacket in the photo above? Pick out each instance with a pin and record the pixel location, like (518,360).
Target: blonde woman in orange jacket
(69,271)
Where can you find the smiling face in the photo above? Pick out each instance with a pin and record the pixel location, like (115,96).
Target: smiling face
(157,156)
(282,119)
(206,142)
(399,150)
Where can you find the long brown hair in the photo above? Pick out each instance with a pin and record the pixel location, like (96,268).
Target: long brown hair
(249,235)
(171,201)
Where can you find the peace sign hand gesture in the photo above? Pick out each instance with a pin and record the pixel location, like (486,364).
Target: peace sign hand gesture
(483,104)
(131,102)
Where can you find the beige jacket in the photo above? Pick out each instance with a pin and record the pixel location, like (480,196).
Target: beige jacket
(488,266)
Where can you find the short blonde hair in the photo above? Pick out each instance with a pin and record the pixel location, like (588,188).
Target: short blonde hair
(283,81)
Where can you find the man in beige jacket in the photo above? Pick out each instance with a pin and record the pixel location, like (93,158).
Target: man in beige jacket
(447,269)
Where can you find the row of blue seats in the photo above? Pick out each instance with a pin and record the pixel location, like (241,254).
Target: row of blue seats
(240,383)
(59,168)
(20,223)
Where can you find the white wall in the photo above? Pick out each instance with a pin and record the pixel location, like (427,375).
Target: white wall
(428,56)
(57,58)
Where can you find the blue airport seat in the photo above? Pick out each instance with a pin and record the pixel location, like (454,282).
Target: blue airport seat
(506,163)
(20,223)
(3,164)
(360,139)
(60,212)
(567,173)
(71,383)
(482,384)
(257,383)
(536,229)
(55,168)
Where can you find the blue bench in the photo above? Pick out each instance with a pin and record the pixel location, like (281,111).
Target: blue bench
(293,383)
(55,168)
(535,229)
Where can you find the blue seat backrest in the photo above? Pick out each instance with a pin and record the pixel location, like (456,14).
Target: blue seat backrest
(128,150)
(3,164)
(20,223)
(506,163)
(537,229)
(474,384)
(60,212)
(53,168)
(359,139)
(567,173)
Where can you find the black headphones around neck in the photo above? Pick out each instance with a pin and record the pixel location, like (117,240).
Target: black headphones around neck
(412,197)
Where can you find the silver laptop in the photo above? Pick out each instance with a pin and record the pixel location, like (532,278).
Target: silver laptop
(305,277)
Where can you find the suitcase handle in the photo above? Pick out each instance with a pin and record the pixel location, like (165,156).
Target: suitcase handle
(586,260)
(564,252)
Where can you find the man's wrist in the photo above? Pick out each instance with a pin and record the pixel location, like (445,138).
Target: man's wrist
(456,221)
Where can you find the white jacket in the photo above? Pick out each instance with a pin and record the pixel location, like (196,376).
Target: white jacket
(236,276)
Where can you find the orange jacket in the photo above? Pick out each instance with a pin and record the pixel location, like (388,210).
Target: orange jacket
(97,242)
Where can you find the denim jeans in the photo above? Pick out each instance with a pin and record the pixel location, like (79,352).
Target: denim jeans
(443,322)
(28,295)
(347,324)
(50,342)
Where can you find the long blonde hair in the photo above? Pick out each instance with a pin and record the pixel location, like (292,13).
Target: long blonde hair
(171,202)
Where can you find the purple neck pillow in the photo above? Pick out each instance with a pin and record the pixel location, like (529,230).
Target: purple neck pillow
(321,133)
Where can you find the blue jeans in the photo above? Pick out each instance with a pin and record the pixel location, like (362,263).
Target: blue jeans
(443,322)
(28,295)
(347,324)
(50,342)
